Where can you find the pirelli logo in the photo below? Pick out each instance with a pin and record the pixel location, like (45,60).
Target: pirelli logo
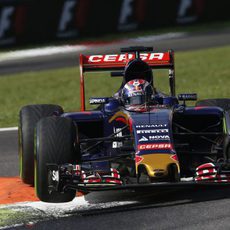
(152,131)
(156,146)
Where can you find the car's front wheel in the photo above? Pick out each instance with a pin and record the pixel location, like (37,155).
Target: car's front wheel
(54,144)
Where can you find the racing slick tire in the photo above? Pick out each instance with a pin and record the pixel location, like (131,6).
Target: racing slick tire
(227,149)
(173,173)
(223,103)
(55,144)
(28,117)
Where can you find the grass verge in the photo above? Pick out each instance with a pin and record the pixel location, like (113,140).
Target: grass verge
(205,71)
(9,217)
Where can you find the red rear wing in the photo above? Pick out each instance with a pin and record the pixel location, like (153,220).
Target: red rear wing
(119,61)
(111,62)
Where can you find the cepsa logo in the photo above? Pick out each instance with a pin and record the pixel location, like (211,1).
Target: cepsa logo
(155,146)
(123,57)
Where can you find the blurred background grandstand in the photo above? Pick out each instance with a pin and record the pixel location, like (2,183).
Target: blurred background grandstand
(38,21)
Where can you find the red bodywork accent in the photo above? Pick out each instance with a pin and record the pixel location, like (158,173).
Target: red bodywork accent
(130,125)
(138,159)
(121,119)
(214,178)
(87,112)
(174,157)
(199,107)
(113,178)
(82,84)
(209,172)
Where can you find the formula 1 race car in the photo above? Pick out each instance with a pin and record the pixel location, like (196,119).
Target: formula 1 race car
(138,138)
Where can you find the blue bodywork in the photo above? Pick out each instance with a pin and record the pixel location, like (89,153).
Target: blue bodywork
(151,126)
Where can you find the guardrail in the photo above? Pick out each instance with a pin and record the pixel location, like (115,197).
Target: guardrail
(34,21)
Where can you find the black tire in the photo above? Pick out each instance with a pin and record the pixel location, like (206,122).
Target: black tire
(173,173)
(227,149)
(55,144)
(143,177)
(28,117)
(223,103)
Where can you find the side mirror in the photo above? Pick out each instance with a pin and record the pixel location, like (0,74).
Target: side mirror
(98,100)
(187,97)
(117,74)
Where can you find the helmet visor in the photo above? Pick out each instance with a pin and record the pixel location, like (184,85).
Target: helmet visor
(136,100)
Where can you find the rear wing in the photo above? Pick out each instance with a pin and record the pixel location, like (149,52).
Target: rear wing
(117,62)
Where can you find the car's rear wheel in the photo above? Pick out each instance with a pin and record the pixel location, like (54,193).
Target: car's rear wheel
(28,117)
(223,103)
(227,149)
(55,144)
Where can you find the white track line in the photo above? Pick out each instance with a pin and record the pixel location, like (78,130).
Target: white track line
(55,50)
(46,51)
(8,129)
(159,37)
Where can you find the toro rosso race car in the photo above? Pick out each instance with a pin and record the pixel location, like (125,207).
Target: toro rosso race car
(139,137)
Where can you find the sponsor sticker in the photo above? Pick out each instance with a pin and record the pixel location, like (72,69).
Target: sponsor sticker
(151,126)
(98,101)
(133,94)
(143,139)
(55,175)
(117,144)
(156,146)
(150,131)
(122,57)
(159,137)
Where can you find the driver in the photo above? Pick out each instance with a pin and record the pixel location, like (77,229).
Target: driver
(137,92)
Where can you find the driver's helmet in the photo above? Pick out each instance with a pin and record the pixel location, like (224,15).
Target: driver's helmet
(136,92)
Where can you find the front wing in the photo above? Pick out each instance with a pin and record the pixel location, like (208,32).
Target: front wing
(71,177)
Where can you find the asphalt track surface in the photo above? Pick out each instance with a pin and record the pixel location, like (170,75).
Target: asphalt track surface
(176,209)
(9,153)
